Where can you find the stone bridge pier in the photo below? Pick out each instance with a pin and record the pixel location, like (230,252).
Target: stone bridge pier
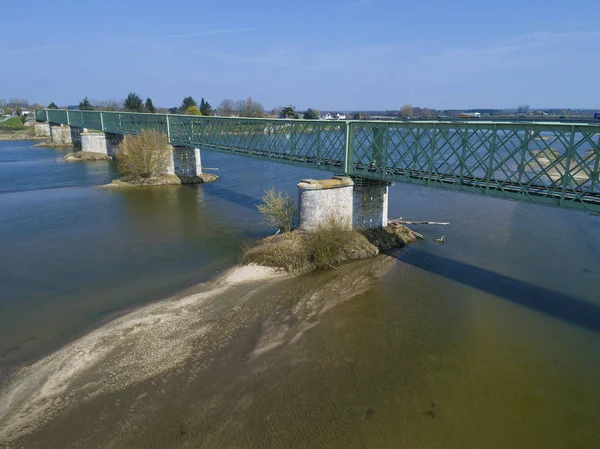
(186,162)
(359,203)
(42,129)
(62,136)
(98,142)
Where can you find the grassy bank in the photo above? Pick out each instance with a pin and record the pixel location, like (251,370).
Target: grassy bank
(12,124)
(327,247)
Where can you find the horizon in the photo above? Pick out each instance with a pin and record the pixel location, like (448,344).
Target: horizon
(367,55)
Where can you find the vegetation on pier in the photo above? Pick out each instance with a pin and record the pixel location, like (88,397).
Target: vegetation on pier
(145,159)
(328,246)
(146,155)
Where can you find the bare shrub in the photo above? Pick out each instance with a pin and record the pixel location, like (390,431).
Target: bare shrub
(145,155)
(278,210)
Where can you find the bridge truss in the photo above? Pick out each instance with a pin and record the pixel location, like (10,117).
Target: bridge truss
(543,163)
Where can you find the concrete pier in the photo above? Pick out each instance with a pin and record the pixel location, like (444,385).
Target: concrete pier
(42,129)
(186,162)
(360,203)
(370,206)
(61,136)
(105,143)
(321,200)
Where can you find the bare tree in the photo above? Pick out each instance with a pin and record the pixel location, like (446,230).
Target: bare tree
(256,109)
(226,108)
(108,105)
(406,110)
(240,107)
(249,108)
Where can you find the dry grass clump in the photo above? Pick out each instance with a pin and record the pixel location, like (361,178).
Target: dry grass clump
(146,155)
(286,251)
(326,244)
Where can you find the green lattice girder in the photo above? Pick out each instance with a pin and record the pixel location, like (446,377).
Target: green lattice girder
(544,163)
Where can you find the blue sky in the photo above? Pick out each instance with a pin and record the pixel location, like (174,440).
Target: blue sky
(346,55)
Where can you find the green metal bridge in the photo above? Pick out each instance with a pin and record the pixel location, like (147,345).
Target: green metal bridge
(555,164)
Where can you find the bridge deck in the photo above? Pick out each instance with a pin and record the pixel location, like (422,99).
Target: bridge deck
(544,163)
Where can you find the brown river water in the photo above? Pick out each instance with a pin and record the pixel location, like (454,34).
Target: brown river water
(491,340)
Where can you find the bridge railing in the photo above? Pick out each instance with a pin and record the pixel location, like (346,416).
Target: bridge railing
(555,163)
(314,143)
(310,143)
(549,163)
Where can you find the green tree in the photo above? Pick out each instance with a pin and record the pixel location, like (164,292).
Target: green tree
(186,103)
(311,114)
(356,116)
(134,103)
(205,107)
(288,112)
(150,106)
(192,110)
(84,105)
(52,106)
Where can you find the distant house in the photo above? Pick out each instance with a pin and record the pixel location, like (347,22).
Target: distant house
(26,112)
(334,116)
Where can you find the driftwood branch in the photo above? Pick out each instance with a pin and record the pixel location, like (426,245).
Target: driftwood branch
(425,223)
(403,222)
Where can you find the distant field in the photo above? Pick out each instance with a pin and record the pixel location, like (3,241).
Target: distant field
(12,124)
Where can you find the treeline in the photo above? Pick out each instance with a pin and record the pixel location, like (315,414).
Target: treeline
(16,106)
(226,108)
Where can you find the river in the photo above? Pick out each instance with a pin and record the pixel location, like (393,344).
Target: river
(491,339)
